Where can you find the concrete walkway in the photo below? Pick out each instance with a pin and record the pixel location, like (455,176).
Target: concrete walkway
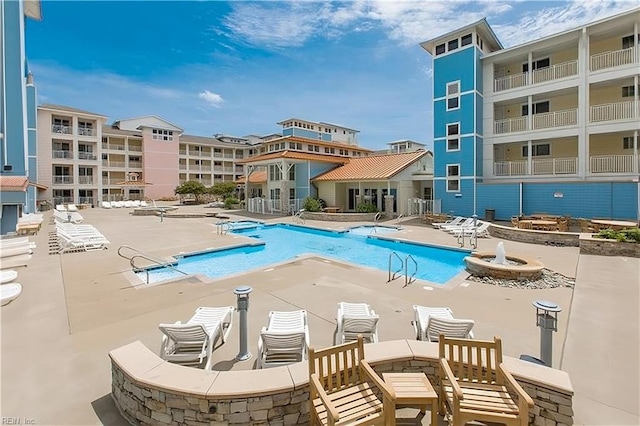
(602,350)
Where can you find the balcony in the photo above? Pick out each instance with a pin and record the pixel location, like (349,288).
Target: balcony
(112,147)
(135,148)
(182,167)
(59,128)
(85,200)
(110,163)
(135,164)
(554,72)
(85,180)
(182,152)
(614,111)
(614,163)
(86,132)
(510,125)
(547,166)
(63,180)
(547,120)
(111,181)
(613,59)
(87,156)
(62,154)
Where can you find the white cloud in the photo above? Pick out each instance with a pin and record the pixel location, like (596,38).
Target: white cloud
(211,98)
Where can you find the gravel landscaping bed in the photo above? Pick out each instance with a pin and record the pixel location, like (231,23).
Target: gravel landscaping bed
(549,279)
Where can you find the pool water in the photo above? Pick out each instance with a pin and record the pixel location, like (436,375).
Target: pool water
(372,230)
(285,242)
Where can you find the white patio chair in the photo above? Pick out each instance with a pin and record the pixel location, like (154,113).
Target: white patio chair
(143,203)
(354,319)
(8,292)
(481,231)
(106,204)
(430,322)
(61,208)
(285,340)
(194,341)
(72,208)
(464,224)
(8,275)
(455,221)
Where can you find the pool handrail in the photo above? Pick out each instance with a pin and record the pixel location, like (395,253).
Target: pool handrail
(139,254)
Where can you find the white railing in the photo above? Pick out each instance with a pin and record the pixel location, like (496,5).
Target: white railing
(199,153)
(555,72)
(64,180)
(182,152)
(87,156)
(58,128)
(612,59)
(85,200)
(135,164)
(109,163)
(135,148)
(510,82)
(611,163)
(86,132)
(614,111)
(225,169)
(268,206)
(510,168)
(61,154)
(182,167)
(567,117)
(418,206)
(62,200)
(555,166)
(85,180)
(113,147)
(509,125)
(111,181)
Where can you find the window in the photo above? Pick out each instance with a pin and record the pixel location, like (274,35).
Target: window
(537,150)
(453,140)
(453,95)
(328,150)
(467,39)
(316,148)
(628,92)
(440,49)
(275,193)
(538,108)
(275,173)
(538,64)
(295,145)
(452,45)
(162,135)
(292,173)
(453,177)
(628,42)
(627,142)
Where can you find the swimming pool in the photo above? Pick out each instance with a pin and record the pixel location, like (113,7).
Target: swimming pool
(281,242)
(372,230)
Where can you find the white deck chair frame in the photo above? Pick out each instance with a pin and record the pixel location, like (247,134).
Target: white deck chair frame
(455,221)
(192,342)
(353,319)
(285,340)
(430,322)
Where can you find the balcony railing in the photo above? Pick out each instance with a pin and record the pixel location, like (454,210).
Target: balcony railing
(612,59)
(63,180)
(135,164)
(554,72)
(182,167)
(135,148)
(86,132)
(510,168)
(111,181)
(109,163)
(58,128)
(62,200)
(613,163)
(87,156)
(615,111)
(62,154)
(555,166)
(113,147)
(85,200)
(85,180)
(510,125)
(182,152)
(568,117)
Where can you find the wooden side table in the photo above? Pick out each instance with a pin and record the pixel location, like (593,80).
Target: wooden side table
(414,389)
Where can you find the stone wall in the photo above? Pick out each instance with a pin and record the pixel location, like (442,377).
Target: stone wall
(340,217)
(569,239)
(605,247)
(150,391)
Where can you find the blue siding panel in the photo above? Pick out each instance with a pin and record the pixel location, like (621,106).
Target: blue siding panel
(453,67)
(458,206)
(464,115)
(303,133)
(503,198)
(287,132)
(326,137)
(479,115)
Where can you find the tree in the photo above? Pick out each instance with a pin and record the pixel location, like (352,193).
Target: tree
(191,187)
(224,189)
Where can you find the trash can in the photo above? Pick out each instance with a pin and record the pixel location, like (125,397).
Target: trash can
(489,215)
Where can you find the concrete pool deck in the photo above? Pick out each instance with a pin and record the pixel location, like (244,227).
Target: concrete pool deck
(77,307)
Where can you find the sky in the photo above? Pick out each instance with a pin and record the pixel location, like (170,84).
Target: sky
(240,67)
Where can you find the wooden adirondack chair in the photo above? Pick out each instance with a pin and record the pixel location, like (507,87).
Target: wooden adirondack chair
(342,388)
(474,385)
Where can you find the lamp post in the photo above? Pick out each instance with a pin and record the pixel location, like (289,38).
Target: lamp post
(547,320)
(242,294)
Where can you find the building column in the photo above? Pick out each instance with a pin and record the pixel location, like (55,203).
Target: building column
(529,159)
(388,205)
(583,104)
(530,70)
(529,112)
(636,160)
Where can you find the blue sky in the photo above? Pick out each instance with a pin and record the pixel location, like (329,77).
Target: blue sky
(239,67)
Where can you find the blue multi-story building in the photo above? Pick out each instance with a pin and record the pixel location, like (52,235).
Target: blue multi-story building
(18,142)
(548,126)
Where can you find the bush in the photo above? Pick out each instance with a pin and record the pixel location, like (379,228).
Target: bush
(631,235)
(230,201)
(366,208)
(311,204)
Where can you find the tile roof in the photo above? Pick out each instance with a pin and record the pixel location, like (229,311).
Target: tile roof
(373,167)
(296,155)
(14,183)
(68,109)
(108,129)
(319,142)
(133,183)
(256,177)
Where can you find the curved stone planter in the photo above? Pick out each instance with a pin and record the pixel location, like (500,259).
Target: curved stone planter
(569,239)
(340,217)
(527,268)
(150,391)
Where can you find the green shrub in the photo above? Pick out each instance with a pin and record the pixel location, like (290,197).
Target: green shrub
(631,235)
(230,201)
(366,208)
(311,204)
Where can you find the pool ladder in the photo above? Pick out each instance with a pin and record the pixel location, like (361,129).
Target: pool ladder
(141,255)
(298,217)
(404,266)
(376,219)
(223,226)
(473,238)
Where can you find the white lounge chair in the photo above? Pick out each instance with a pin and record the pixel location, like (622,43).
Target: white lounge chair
(465,223)
(8,292)
(72,208)
(285,340)
(143,203)
(354,319)
(61,208)
(430,322)
(194,341)
(482,230)
(8,275)
(455,221)
(106,204)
